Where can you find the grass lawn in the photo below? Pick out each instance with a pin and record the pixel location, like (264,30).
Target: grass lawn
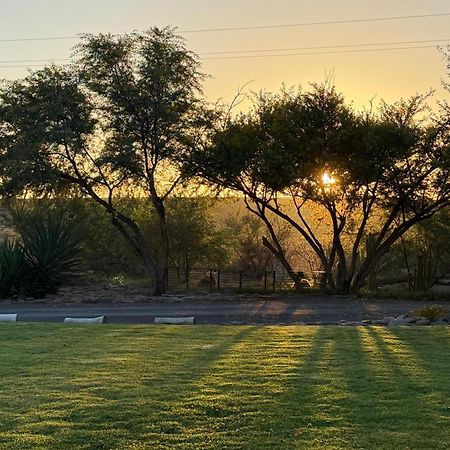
(215,387)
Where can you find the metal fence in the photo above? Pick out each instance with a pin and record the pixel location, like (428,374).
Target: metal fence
(207,279)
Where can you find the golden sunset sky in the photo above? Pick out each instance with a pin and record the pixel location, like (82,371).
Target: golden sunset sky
(390,73)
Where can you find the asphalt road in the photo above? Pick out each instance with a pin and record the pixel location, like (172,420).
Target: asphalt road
(255,311)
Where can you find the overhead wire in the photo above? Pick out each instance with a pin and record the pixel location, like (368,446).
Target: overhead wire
(265,52)
(273,55)
(308,24)
(5,64)
(257,27)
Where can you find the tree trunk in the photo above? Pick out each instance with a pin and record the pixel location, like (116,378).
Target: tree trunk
(162,261)
(280,256)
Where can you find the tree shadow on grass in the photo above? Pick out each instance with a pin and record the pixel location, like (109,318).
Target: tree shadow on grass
(102,397)
(315,410)
(352,391)
(234,402)
(413,416)
(429,348)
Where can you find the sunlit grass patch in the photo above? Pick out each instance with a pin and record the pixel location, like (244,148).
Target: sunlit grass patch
(213,387)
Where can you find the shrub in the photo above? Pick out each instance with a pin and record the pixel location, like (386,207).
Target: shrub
(51,251)
(13,268)
(43,260)
(432,313)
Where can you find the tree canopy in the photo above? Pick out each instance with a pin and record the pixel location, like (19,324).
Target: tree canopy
(114,122)
(314,149)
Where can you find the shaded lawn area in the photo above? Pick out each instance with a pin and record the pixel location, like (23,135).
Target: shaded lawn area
(216,387)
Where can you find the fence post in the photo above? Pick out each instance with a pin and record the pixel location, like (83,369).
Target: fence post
(211,279)
(218,279)
(265,280)
(274,276)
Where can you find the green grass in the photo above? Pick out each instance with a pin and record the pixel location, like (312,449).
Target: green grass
(213,387)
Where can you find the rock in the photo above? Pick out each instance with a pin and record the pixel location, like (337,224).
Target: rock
(401,321)
(380,322)
(175,300)
(366,322)
(440,322)
(235,322)
(422,321)
(350,324)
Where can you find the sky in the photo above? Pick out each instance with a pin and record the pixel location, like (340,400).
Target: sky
(361,76)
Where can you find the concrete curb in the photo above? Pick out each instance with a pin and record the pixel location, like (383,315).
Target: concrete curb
(89,320)
(175,320)
(8,317)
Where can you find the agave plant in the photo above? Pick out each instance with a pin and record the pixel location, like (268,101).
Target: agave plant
(14,269)
(51,252)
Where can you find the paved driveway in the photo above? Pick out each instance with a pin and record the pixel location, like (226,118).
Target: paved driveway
(258,311)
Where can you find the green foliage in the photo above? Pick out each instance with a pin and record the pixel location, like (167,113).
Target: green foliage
(249,254)
(386,166)
(14,268)
(245,234)
(115,123)
(432,313)
(422,256)
(44,258)
(51,251)
(195,236)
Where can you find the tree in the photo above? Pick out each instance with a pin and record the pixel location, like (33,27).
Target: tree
(423,252)
(246,237)
(195,237)
(115,123)
(365,172)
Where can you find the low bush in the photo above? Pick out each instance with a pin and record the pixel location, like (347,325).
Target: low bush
(13,268)
(432,313)
(42,260)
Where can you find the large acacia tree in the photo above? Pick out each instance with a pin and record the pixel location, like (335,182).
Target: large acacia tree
(113,123)
(372,173)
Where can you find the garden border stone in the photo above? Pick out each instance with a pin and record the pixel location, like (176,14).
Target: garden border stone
(175,320)
(89,320)
(8,317)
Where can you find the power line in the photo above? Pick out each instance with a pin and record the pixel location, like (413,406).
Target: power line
(369,44)
(54,38)
(321,53)
(308,24)
(368,50)
(33,60)
(256,27)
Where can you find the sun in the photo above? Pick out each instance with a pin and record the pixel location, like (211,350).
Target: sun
(327,179)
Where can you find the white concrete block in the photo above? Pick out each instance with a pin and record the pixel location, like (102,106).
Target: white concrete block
(8,317)
(175,320)
(91,320)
